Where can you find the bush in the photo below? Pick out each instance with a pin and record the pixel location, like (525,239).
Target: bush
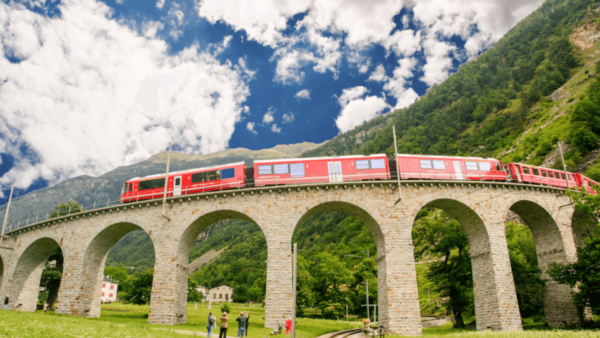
(593,172)
(225,308)
(544,149)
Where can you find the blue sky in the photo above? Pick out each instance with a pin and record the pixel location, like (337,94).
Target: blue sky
(87,86)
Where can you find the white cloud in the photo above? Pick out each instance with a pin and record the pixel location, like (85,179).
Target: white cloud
(220,47)
(356,109)
(288,118)
(317,40)
(275,129)
(403,43)
(109,95)
(160,4)
(250,127)
(303,94)
(378,74)
(438,61)
(397,85)
(268,118)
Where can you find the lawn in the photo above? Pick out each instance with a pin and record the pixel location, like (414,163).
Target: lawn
(133,323)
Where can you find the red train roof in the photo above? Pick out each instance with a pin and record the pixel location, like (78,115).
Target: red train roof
(185,171)
(449,157)
(318,158)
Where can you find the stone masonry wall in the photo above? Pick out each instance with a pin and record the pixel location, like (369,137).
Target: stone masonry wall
(480,208)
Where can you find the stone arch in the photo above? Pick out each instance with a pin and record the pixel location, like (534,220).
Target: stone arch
(92,265)
(554,243)
(496,305)
(375,223)
(357,209)
(26,277)
(192,226)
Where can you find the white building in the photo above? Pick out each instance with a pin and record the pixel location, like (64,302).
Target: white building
(202,291)
(109,290)
(221,294)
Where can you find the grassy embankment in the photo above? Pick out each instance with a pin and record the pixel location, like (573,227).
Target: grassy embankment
(133,323)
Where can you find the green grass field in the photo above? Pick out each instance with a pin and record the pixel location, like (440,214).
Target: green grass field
(133,323)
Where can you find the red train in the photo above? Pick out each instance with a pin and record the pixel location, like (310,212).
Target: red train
(345,169)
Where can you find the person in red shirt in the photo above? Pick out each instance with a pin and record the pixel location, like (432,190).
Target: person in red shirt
(288,326)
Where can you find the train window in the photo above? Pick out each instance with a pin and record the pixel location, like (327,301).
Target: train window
(485,166)
(525,170)
(378,164)
(145,185)
(130,187)
(124,189)
(297,169)
(177,181)
(498,167)
(438,164)
(562,176)
(362,164)
(265,170)
(281,169)
(198,177)
(159,183)
(213,175)
(227,173)
(471,165)
(426,164)
(550,174)
(536,172)
(544,173)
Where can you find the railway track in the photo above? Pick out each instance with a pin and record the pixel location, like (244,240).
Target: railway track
(350,332)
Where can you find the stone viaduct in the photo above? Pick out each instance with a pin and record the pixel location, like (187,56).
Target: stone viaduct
(481,207)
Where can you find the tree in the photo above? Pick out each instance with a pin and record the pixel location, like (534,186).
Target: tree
(438,235)
(193,294)
(240,294)
(585,273)
(140,287)
(51,277)
(526,273)
(70,207)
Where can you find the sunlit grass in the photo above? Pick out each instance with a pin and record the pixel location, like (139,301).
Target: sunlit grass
(133,323)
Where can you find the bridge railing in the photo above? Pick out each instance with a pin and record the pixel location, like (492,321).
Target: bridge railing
(327,178)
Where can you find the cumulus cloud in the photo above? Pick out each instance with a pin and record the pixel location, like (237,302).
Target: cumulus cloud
(303,94)
(220,47)
(90,94)
(160,4)
(356,109)
(275,129)
(268,118)
(378,74)
(288,118)
(332,29)
(250,127)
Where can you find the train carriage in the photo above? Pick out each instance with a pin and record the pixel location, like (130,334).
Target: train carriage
(434,167)
(321,169)
(524,173)
(185,182)
(586,184)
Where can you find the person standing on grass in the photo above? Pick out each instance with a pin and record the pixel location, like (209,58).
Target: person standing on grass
(247,322)
(6,301)
(241,325)
(288,326)
(210,324)
(45,307)
(224,320)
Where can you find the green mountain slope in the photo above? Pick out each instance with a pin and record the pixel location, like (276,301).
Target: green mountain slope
(492,102)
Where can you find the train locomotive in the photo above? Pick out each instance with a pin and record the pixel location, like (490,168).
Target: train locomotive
(291,171)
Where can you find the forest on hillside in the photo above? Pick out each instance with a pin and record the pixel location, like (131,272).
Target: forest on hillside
(490,102)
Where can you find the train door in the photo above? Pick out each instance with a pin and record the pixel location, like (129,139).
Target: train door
(335,171)
(457,170)
(177,186)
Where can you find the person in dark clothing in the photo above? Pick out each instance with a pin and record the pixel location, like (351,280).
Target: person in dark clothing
(224,320)
(247,322)
(6,301)
(241,325)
